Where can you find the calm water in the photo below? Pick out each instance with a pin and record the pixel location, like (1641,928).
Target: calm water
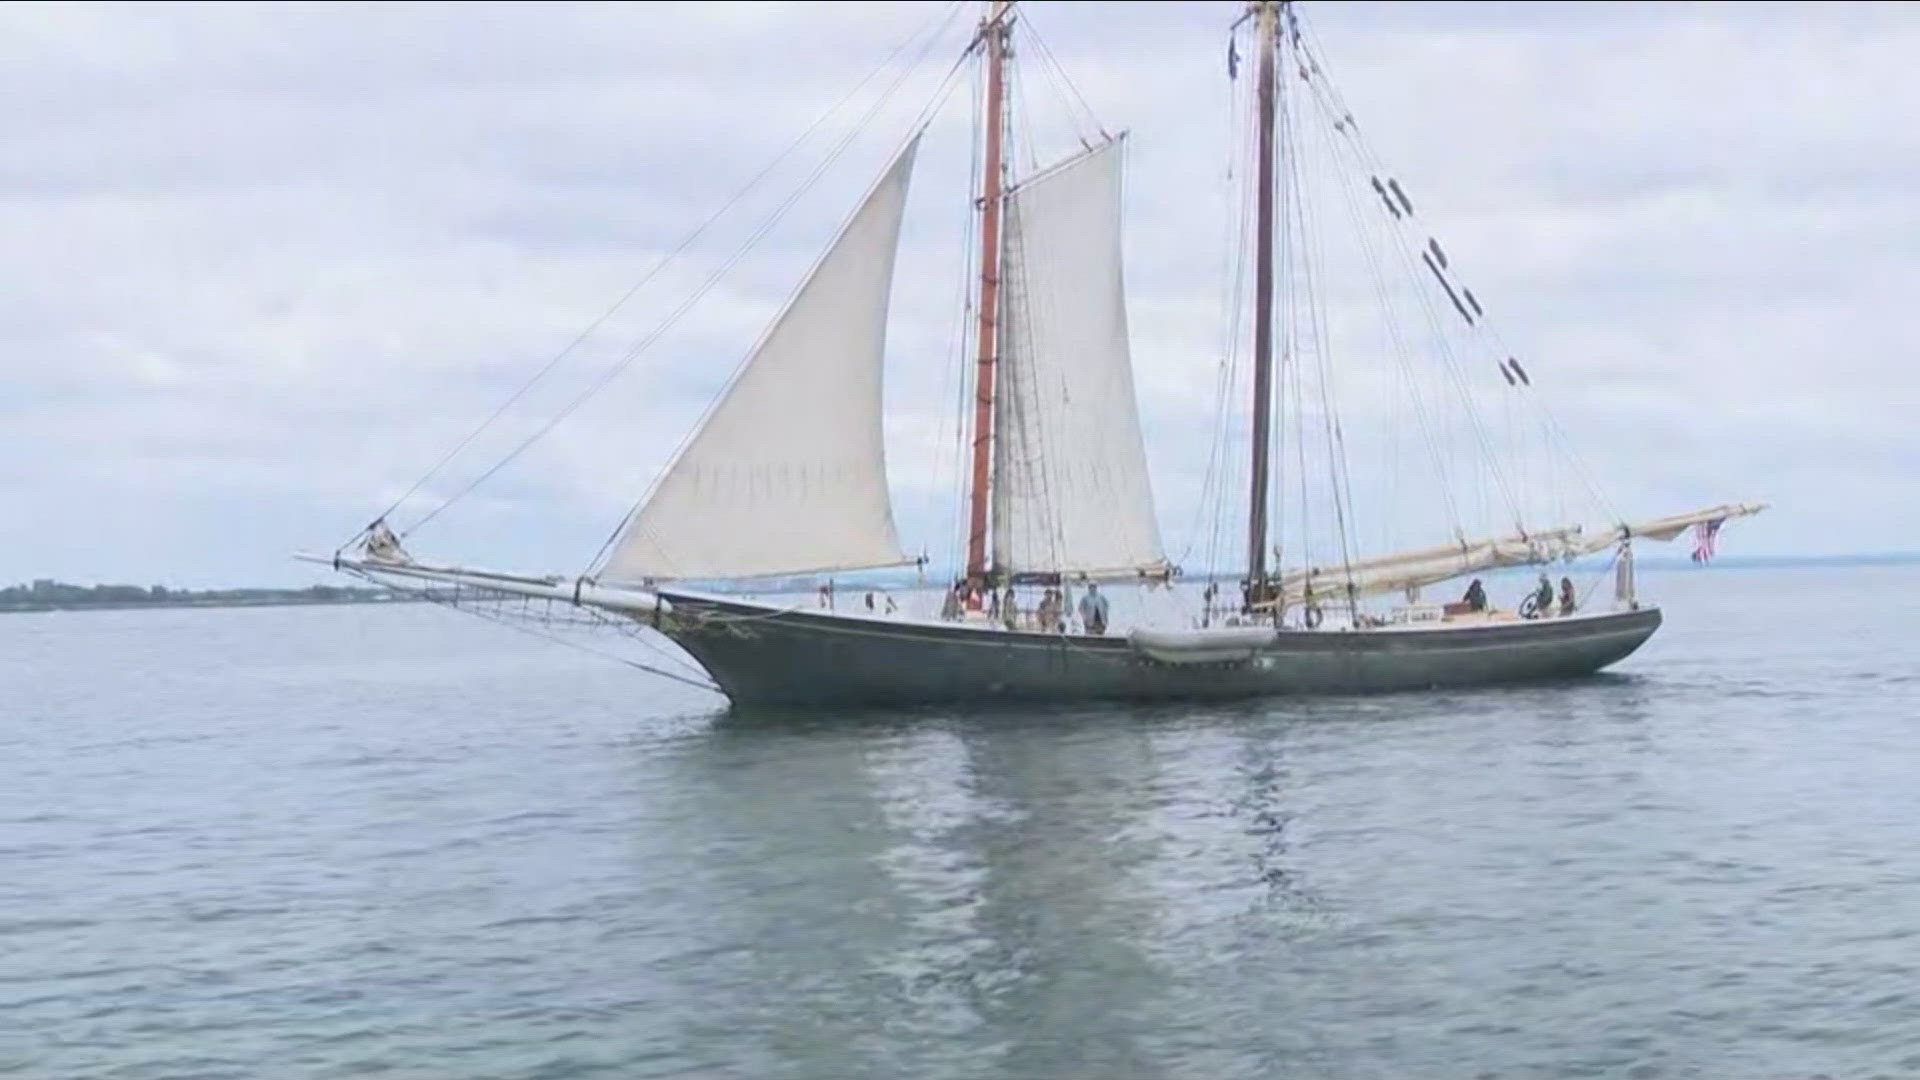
(329,842)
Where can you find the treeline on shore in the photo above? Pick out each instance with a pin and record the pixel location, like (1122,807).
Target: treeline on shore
(49,595)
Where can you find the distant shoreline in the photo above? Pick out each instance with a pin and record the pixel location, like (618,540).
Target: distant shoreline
(1782,562)
(22,609)
(46,594)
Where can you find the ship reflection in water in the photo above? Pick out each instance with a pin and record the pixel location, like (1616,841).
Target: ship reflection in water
(448,854)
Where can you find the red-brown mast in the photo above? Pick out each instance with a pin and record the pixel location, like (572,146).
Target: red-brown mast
(1265,30)
(994,30)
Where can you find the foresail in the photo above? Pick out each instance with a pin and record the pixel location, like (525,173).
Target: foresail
(787,474)
(1070,486)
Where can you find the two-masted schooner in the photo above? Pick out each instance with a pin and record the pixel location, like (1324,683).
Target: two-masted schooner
(786,474)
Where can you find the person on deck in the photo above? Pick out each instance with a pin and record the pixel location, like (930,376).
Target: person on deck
(951,606)
(1566,597)
(1093,610)
(1010,609)
(382,545)
(1048,613)
(1476,598)
(1543,599)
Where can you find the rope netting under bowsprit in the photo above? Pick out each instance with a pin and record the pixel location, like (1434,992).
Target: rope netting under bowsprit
(576,626)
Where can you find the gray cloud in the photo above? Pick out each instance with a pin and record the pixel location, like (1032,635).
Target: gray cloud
(267,263)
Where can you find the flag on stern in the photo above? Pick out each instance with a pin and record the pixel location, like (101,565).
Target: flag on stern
(1704,535)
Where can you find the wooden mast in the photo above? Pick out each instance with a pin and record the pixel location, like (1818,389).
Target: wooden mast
(1265,32)
(994,31)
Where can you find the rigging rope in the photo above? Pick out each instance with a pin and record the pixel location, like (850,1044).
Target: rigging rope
(1057,76)
(960,361)
(1504,457)
(921,121)
(1339,479)
(1402,353)
(1397,202)
(426,594)
(674,317)
(779,212)
(1021,441)
(1210,510)
(1465,302)
(675,252)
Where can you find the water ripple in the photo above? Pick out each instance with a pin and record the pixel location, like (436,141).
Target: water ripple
(333,843)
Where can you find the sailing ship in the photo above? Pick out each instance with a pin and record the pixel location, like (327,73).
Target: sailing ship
(786,477)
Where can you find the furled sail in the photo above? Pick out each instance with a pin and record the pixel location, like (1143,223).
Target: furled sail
(1409,570)
(1070,486)
(1666,528)
(787,474)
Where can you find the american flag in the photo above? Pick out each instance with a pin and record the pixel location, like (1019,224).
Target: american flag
(1703,538)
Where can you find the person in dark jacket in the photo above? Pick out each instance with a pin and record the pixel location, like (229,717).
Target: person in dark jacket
(1476,598)
(1543,599)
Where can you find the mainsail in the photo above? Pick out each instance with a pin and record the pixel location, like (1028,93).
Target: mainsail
(1666,528)
(1070,486)
(788,472)
(1411,569)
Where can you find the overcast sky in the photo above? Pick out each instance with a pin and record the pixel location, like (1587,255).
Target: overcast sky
(264,264)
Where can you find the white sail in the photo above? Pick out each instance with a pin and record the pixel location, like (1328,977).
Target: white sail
(1410,570)
(788,472)
(1070,488)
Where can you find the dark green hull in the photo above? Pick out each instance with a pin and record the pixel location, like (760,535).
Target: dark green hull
(761,655)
